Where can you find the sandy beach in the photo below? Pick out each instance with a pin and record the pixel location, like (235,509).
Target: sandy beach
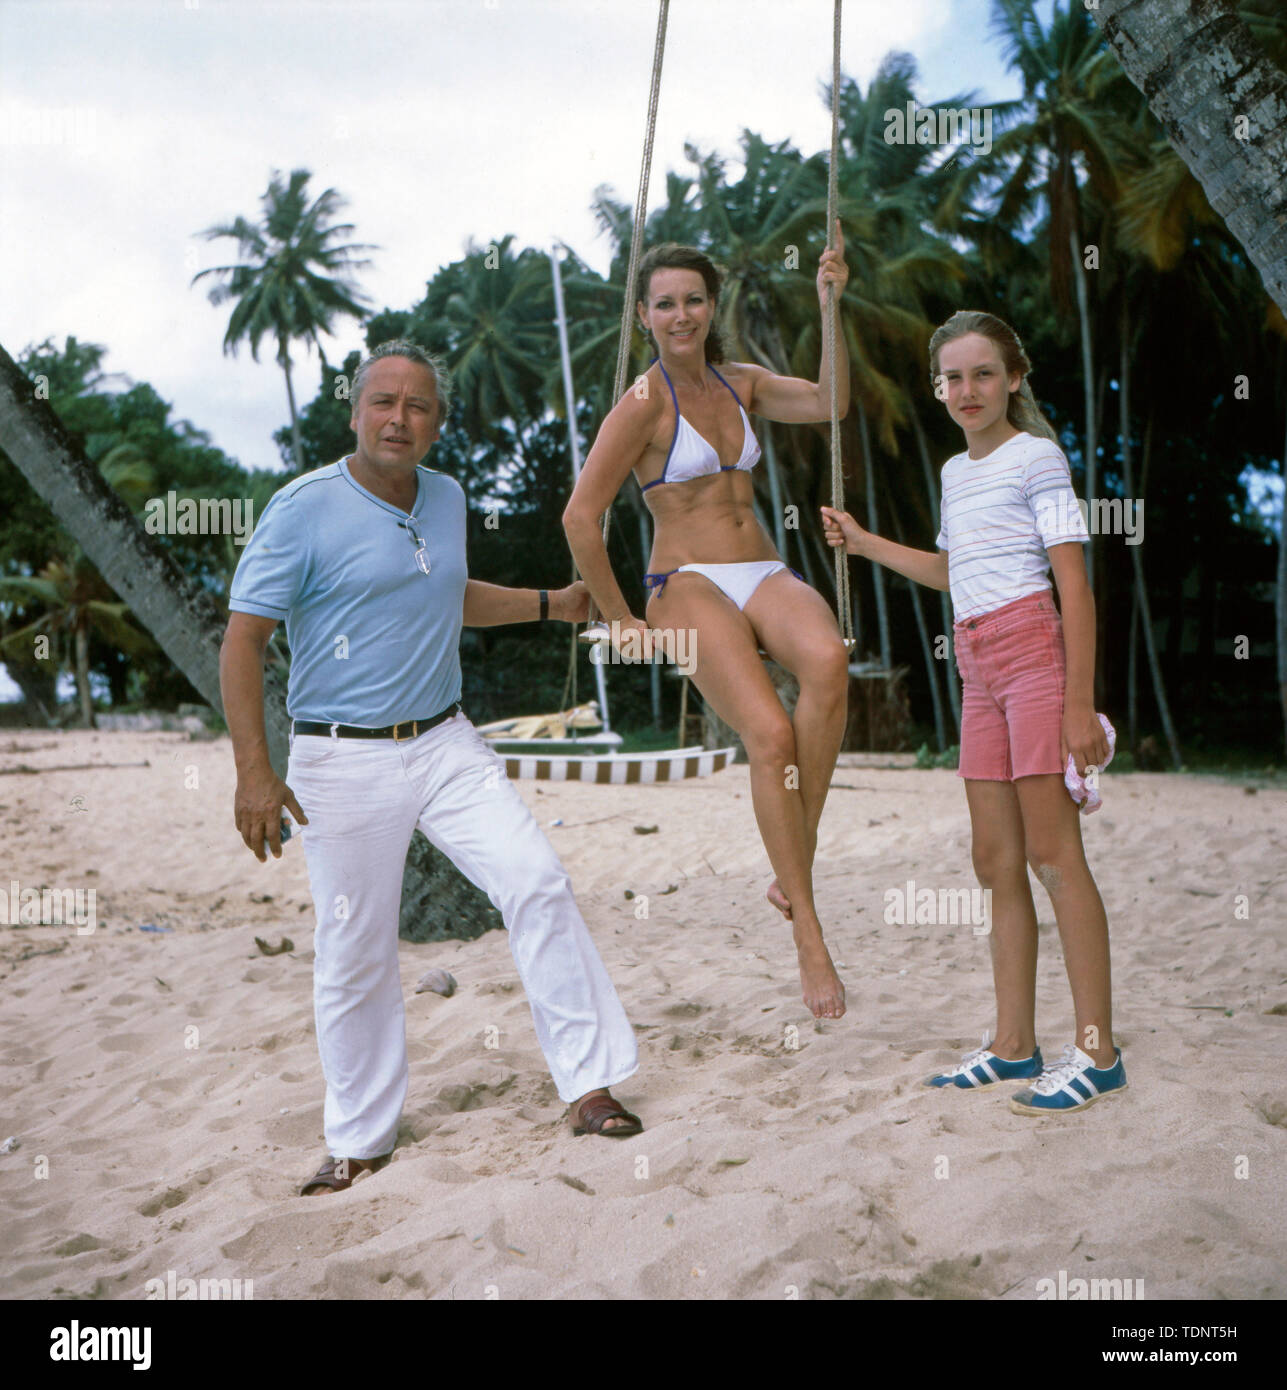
(167,1084)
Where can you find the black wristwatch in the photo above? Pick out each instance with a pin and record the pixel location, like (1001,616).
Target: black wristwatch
(545,604)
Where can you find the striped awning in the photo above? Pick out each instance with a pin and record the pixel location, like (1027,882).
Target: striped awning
(665,765)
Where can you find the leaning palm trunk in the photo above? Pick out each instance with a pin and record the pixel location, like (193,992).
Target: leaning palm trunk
(1137,560)
(437,901)
(38,688)
(1223,105)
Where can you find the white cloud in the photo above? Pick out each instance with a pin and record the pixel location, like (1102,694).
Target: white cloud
(438,121)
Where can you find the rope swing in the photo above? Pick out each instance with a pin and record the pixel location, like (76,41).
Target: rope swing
(844,608)
(596,630)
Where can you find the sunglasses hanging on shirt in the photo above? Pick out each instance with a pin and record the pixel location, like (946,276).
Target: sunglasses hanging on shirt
(422,554)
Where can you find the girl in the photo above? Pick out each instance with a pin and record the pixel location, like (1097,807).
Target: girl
(1009,516)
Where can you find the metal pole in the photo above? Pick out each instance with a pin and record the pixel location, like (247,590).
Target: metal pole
(575,442)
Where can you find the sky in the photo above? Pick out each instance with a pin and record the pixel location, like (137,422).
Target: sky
(129,126)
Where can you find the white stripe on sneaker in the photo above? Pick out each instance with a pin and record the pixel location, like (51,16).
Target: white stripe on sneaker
(987,1067)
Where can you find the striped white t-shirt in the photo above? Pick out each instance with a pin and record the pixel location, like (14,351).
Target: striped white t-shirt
(1001,514)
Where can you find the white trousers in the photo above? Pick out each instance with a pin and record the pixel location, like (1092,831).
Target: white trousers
(363,799)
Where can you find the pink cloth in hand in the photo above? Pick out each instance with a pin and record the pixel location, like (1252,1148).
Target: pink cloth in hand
(1083,793)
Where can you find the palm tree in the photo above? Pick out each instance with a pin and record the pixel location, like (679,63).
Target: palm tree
(77,604)
(1190,69)
(899,266)
(594,304)
(1199,78)
(1036,164)
(291,279)
(491,315)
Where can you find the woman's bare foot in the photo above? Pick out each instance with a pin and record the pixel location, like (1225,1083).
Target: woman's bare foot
(779,899)
(823,992)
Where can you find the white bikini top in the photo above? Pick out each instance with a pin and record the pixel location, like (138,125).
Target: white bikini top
(692,456)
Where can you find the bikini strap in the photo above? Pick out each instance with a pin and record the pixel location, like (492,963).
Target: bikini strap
(658,581)
(731,392)
(674,439)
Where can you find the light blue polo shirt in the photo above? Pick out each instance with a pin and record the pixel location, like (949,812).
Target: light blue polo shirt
(373,639)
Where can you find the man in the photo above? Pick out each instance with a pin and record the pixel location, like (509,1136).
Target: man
(364,560)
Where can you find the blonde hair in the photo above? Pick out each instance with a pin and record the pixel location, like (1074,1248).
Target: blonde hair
(1022,410)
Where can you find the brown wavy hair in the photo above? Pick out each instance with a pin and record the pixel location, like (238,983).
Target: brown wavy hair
(1022,411)
(670,255)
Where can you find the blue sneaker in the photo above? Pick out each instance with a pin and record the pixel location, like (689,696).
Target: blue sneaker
(1073,1083)
(984,1068)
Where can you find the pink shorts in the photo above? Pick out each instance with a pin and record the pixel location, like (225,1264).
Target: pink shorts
(1011,662)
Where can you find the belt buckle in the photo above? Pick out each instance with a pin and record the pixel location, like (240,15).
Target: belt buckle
(414,731)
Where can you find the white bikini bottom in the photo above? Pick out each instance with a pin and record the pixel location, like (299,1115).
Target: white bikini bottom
(738,581)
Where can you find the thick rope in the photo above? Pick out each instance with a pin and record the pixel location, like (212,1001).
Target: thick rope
(844,607)
(636,237)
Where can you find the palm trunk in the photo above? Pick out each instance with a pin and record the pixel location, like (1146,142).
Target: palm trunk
(39,689)
(806,559)
(927,649)
(297,443)
(775,491)
(770,449)
(1132,673)
(873,525)
(1088,385)
(1280,598)
(944,598)
(437,901)
(1200,70)
(1137,560)
(82,678)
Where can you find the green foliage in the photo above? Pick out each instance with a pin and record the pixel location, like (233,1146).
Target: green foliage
(927,758)
(928,230)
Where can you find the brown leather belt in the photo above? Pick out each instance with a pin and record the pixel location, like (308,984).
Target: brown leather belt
(399,733)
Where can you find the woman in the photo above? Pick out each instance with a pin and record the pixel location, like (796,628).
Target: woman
(683,429)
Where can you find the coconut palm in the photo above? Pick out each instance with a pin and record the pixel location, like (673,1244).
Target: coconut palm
(77,604)
(490,314)
(292,278)
(1063,144)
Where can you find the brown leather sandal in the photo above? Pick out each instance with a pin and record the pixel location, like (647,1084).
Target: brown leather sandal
(588,1118)
(337,1174)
